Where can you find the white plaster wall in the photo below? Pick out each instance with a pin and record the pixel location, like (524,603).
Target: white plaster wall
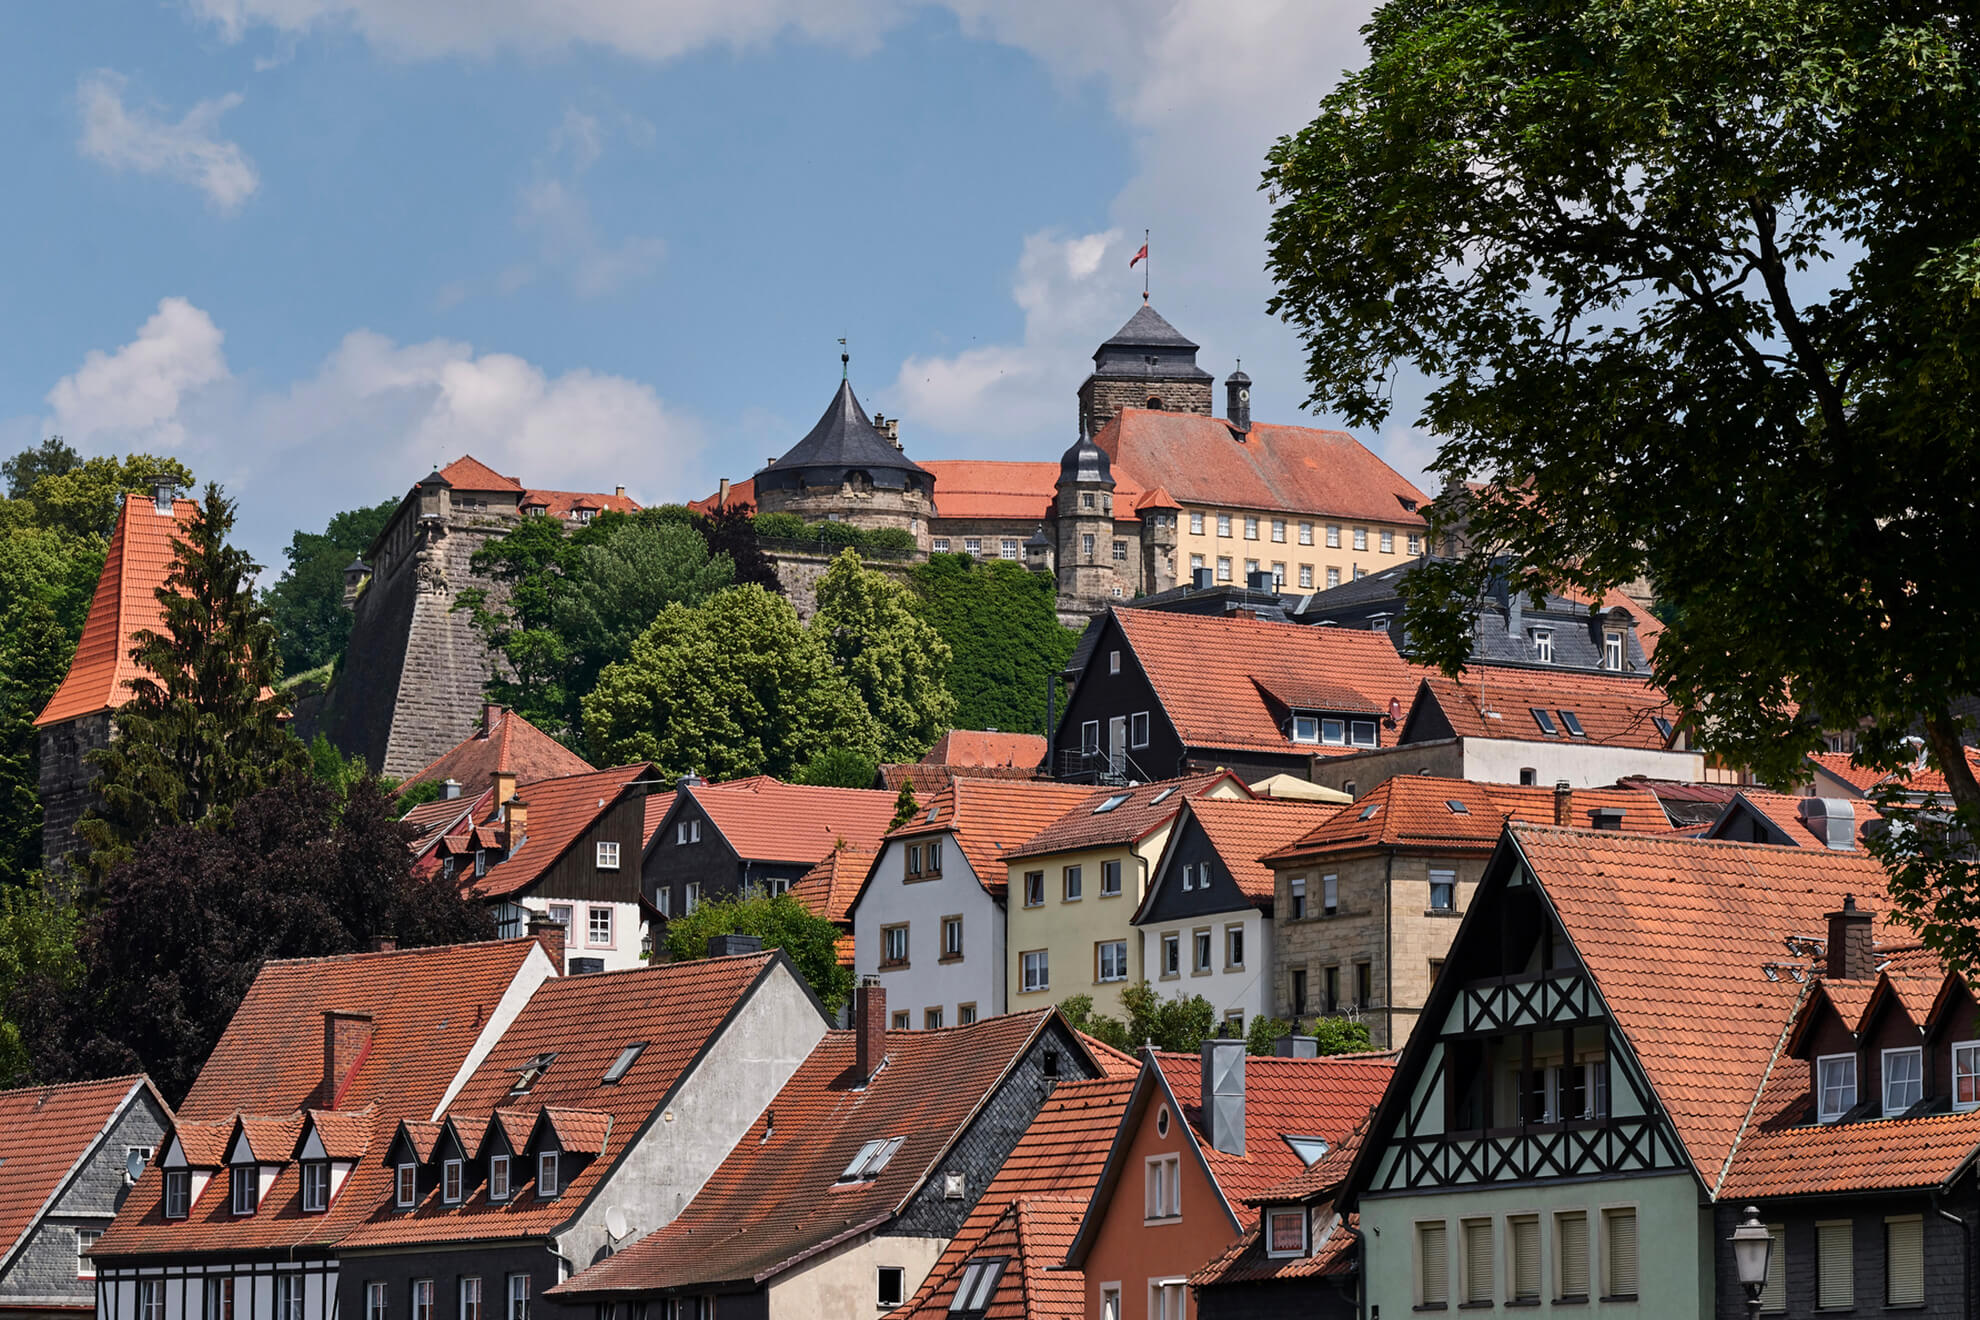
(628,930)
(978,978)
(1583,765)
(844,1284)
(727,1091)
(1249,989)
(184,1288)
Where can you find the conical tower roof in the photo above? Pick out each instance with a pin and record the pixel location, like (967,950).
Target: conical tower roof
(844,438)
(1148,348)
(1085,462)
(1147,328)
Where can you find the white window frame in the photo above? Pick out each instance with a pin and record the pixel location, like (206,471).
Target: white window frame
(1224,525)
(1161,1189)
(1171,954)
(517,1297)
(151,1299)
(1612,649)
(471,1297)
(880,1273)
(1202,951)
(315,1186)
(1234,944)
(1971,1072)
(1305,728)
(548,1176)
(691,897)
(1333,536)
(85,1239)
(1118,948)
(1089,737)
(1361,538)
(1333,578)
(453,1181)
(941,545)
(244,1188)
(1138,729)
(405,1186)
(1223,568)
(1388,542)
(1273,1217)
(1822,1062)
(377,1300)
(890,936)
(1072,884)
(952,937)
(607,855)
(1196,524)
(973,545)
(422,1299)
(1042,981)
(1447,879)
(1543,646)
(1110,879)
(288,1297)
(1034,889)
(1009,547)
(498,1178)
(178,1193)
(1916,1055)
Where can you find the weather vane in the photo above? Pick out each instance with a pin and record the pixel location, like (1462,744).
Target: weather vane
(845,360)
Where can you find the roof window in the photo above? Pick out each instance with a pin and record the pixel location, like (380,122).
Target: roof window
(1110,804)
(1162,796)
(872,1158)
(978,1284)
(1309,1149)
(1370,810)
(531,1072)
(933,812)
(1663,726)
(1572,724)
(1544,720)
(624,1062)
(1457,808)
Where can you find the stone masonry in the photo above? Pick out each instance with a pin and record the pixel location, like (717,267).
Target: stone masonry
(66,781)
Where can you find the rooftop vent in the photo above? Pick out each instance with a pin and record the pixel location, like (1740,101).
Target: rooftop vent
(1832,820)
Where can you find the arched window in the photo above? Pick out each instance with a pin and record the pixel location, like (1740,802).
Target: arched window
(1155,402)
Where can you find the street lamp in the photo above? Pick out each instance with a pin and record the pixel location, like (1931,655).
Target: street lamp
(1753,1246)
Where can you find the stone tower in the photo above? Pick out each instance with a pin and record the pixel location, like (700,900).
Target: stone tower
(1147,364)
(848,470)
(1085,523)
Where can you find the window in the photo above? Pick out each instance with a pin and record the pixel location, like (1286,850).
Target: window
(965,1014)
(1388,543)
(450,1181)
(1523,1232)
(1415,543)
(85,1240)
(870,1159)
(1433,1265)
(247,1188)
(973,545)
(1364,982)
(690,897)
(315,1185)
(1904,1260)
(1251,529)
(890,1286)
(1171,954)
(1333,577)
(1544,720)
(1113,662)
(1008,549)
(1543,645)
(1200,962)
(178,1193)
(1110,1301)
(1196,524)
(1572,723)
(1223,568)
(1361,733)
(471,1297)
(941,546)
(952,937)
(893,946)
(665,900)
(1436,970)
(1330,894)
(1333,732)
(1195,562)
(375,1307)
(1110,879)
(1333,536)
(1773,1296)
(1189,876)
(422,1299)
(1305,729)
(151,1299)
(1278,574)
(1361,538)
(623,1061)
(1162,1187)
(931,858)
(1071,884)
(1233,947)
(1306,575)
(1835,1276)
(405,1191)
(608,856)
(1111,957)
(1619,1253)
(598,925)
(1034,889)
(518,1297)
(1138,729)
(1835,1086)
(1571,1255)
(1330,981)
(547,1184)
(1250,567)
(1297,886)
(1966,1074)
(1477,1277)
(1443,891)
(1223,524)
(498,1177)
(977,1285)
(1037,971)
(900,1021)
(1904,1080)
(1612,650)
(914,859)
(1285,1231)
(1089,737)
(931,1019)
(1120,552)
(288,1297)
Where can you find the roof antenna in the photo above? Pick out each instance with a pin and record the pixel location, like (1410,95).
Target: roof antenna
(845,360)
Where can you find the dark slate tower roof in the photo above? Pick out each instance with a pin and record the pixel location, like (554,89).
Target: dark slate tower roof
(1085,462)
(1148,346)
(845,440)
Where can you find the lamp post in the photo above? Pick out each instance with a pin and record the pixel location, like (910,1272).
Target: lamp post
(1753,1246)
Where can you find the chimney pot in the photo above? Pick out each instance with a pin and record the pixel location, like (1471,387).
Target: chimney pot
(1563,803)
(505,785)
(550,934)
(869,1026)
(1223,1093)
(1852,955)
(1296,1047)
(450,789)
(384,944)
(346,1037)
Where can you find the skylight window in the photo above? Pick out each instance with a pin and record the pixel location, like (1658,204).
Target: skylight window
(1162,796)
(624,1062)
(977,1286)
(1370,810)
(1572,725)
(531,1072)
(1663,726)
(1309,1149)
(1457,808)
(872,1158)
(1110,804)
(933,812)
(1544,720)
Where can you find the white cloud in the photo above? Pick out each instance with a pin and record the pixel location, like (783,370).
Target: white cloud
(137,390)
(189,151)
(559,215)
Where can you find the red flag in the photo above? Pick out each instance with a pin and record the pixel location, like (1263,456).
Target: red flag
(1138,257)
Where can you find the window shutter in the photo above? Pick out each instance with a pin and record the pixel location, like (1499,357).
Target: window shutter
(1773,1297)
(1835,1280)
(1621,1252)
(1478,1260)
(1904,1261)
(1525,1231)
(1573,1233)
(1433,1264)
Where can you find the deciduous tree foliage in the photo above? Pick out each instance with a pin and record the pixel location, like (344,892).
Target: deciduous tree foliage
(781,922)
(839,767)
(306,604)
(1695,284)
(1004,635)
(1180,1023)
(897,662)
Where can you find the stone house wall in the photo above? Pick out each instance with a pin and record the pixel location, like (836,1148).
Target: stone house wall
(1101,397)
(66,781)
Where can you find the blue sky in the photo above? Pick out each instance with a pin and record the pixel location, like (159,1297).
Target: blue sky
(314,246)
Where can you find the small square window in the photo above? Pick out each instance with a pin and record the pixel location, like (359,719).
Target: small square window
(890,1286)
(941,545)
(1111,958)
(1285,1232)
(1361,538)
(973,545)
(608,855)
(598,925)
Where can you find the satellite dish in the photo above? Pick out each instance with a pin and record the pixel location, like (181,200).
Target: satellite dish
(615,1222)
(133,1165)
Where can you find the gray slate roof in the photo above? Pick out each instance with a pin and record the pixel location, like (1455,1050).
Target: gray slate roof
(1148,346)
(844,438)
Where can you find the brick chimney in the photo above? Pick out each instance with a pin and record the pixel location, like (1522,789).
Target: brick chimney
(518,824)
(550,934)
(869,1026)
(490,712)
(505,785)
(384,944)
(619,491)
(1563,803)
(722,494)
(346,1040)
(1851,956)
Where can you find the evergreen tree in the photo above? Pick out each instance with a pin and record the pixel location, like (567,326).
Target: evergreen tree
(905,805)
(895,661)
(202,730)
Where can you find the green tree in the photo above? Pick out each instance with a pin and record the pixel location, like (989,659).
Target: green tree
(839,767)
(1694,282)
(1332,1035)
(306,604)
(896,662)
(38,930)
(83,498)
(1004,635)
(50,458)
(781,922)
(34,655)
(905,805)
(1180,1023)
(732,686)
(201,731)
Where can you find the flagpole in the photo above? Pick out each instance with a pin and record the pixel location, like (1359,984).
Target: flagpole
(1144,266)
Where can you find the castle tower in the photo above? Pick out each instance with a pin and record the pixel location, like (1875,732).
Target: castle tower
(848,470)
(1147,364)
(1237,402)
(1085,524)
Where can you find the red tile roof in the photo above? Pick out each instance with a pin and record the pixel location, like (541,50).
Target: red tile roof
(777,1199)
(1784,813)
(1245,830)
(513,746)
(1212,673)
(767,820)
(1843,766)
(740,493)
(1297,469)
(558,812)
(138,560)
(829,888)
(1141,810)
(469,473)
(989,817)
(1414,811)
(1916,779)
(561,503)
(1245,1261)
(1491,701)
(987,747)
(46,1132)
(657,807)
(1783,1157)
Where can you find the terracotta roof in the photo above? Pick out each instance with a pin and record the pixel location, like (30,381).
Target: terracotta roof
(1245,1261)
(443,815)
(779,1198)
(138,560)
(989,817)
(558,812)
(46,1133)
(1492,701)
(657,807)
(987,747)
(427,1006)
(513,746)
(470,473)
(585,1021)
(1784,813)
(1297,469)
(1055,1164)
(1212,673)
(562,503)
(1661,921)
(829,888)
(1414,811)
(1141,809)
(1844,767)
(767,820)
(1917,779)
(1245,830)
(1159,498)
(204,1144)
(928,780)
(1780,1156)
(741,492)
(345,1133)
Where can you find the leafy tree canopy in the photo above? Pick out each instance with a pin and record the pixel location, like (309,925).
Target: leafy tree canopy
(896,662)
(781,922)
(1180,1023)
(306,604)
(905,806)
(38,930)
(1695,284)
(52,487)
(1004,635)
(1332,1035)
(839,767)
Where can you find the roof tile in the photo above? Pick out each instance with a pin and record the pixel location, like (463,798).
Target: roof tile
(44,1132)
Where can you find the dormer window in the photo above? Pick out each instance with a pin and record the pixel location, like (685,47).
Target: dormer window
(1543,646)
(405,1187)
(1966,1074)
(1285,1231)
(1361,733)
(547,1185)
(498,1177)
(247,1188)
(1305,729)
(315,1186)
(534,1067)
(1835,1086)
(1612,650)
(1333,732)
(450,1181)
(480,862)
(178,1193)
(1904,1080)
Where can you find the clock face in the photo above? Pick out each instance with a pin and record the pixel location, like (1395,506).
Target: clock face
(1244,396)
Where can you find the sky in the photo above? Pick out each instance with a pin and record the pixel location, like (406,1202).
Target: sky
(315,247)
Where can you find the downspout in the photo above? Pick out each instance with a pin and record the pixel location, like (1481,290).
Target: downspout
(1389,950)
(1965,1254)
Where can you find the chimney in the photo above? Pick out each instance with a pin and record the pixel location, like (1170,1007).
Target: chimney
(163,489)
(450,789)
(1832,820)
(722,494)
(729,946)
(619,491)
(1851,957)
(346,1039)
(550,934)
(1563,802)
(1606,818)
(518,818)
(490,712)
(384,944)
(869,1026)
(1223,1093)
(1296,1047)
(505,785)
